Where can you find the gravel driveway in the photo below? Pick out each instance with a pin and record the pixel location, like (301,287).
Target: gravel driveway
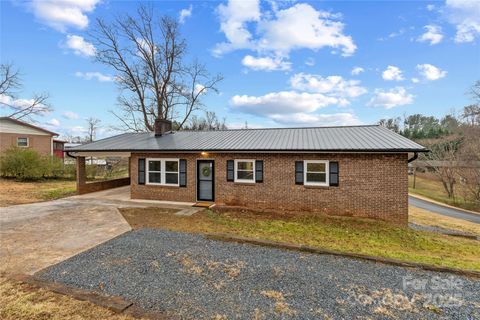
(193,277)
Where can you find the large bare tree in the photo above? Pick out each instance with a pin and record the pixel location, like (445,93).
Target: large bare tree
(148,56)
(10,84)
(92,126)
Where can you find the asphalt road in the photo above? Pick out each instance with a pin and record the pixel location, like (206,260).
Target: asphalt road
(446,211)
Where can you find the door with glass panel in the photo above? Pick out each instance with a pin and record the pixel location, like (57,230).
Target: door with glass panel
(205,180)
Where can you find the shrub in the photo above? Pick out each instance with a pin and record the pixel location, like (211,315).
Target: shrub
(28,164)
(23,164)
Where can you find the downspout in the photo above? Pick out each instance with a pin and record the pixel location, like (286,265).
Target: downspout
(415,156)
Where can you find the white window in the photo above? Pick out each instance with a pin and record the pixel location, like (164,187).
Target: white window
(162,172)
(22,142)
(316,172)
(245,171)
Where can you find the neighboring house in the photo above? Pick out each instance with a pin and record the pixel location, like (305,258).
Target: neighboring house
(17,133)
(354,171)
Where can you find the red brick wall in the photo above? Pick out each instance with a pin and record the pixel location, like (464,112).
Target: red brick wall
(40,143)
(371,185)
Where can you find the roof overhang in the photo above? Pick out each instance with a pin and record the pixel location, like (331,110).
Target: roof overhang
(113,152)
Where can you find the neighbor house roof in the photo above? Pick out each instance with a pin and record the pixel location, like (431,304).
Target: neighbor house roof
(371,138)
(27,125)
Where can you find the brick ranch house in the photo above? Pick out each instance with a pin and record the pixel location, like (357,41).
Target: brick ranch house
(352,170)
(20,134)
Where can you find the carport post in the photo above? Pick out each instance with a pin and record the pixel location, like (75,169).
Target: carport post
(81,174)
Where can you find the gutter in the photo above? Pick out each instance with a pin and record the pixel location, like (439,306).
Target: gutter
(68,154)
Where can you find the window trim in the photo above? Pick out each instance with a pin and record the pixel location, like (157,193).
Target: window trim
(163,172)
(235,170)
(28,142)
(305,171)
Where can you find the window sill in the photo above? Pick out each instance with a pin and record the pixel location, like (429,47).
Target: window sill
(315,187)
(244,183)
(162,185)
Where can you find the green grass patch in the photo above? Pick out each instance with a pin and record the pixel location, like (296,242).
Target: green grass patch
(344,234)
(57,193)
(433,189)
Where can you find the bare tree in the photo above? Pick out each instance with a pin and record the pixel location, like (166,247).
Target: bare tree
(444,161)
(471,114)
(475,91)
(148,56)
(10,83)
(92,127)
(209,122)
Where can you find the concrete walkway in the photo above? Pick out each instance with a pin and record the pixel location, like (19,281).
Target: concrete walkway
(34,236)
(443,210)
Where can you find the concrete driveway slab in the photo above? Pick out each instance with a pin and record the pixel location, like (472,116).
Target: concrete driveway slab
(35,236)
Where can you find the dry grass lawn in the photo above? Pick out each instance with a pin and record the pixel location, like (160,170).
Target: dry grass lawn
(336,233)
(427,218)
(14,192)
(19,300)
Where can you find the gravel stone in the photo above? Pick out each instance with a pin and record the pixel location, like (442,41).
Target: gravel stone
(193,277)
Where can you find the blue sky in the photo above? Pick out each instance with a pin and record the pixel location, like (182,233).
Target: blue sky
(285,63)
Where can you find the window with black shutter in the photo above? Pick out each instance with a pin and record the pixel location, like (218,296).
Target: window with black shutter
(183,173)
(141,171)
(334,174)
(298,172)
(230,170)
(258,171)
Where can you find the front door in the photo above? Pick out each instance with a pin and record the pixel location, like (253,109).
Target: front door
(205,180)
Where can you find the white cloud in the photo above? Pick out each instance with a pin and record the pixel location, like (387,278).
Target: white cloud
(430,72)
(415,80)
(334,86)
(305,119)
(392,73)
(283,102)
(265,63)
(430,7)
(54,122)
(79,46)
(281,31)
(465,15)
(198,88)
(70,115)
(61,14)
(7,101)
(233,23)
(184,14)
(433,34)
(388,99)
(293,108)
(94,75)
(357,70)
(310,62)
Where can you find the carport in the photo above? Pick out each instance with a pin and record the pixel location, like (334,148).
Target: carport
(83,186)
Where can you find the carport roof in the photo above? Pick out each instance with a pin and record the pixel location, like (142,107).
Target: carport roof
(367,138)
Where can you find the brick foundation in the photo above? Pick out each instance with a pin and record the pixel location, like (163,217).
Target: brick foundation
(371,185)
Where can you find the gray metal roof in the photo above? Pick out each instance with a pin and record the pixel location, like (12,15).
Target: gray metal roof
(371,138)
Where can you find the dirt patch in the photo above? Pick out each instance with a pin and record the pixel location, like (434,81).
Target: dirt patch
(427,218)
(13,192)
(19,300)
(150,217)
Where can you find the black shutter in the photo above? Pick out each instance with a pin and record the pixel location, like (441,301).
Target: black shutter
(182,170)
(258,170)
(333,173)
(230,170)
(141,171)
(298,172)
